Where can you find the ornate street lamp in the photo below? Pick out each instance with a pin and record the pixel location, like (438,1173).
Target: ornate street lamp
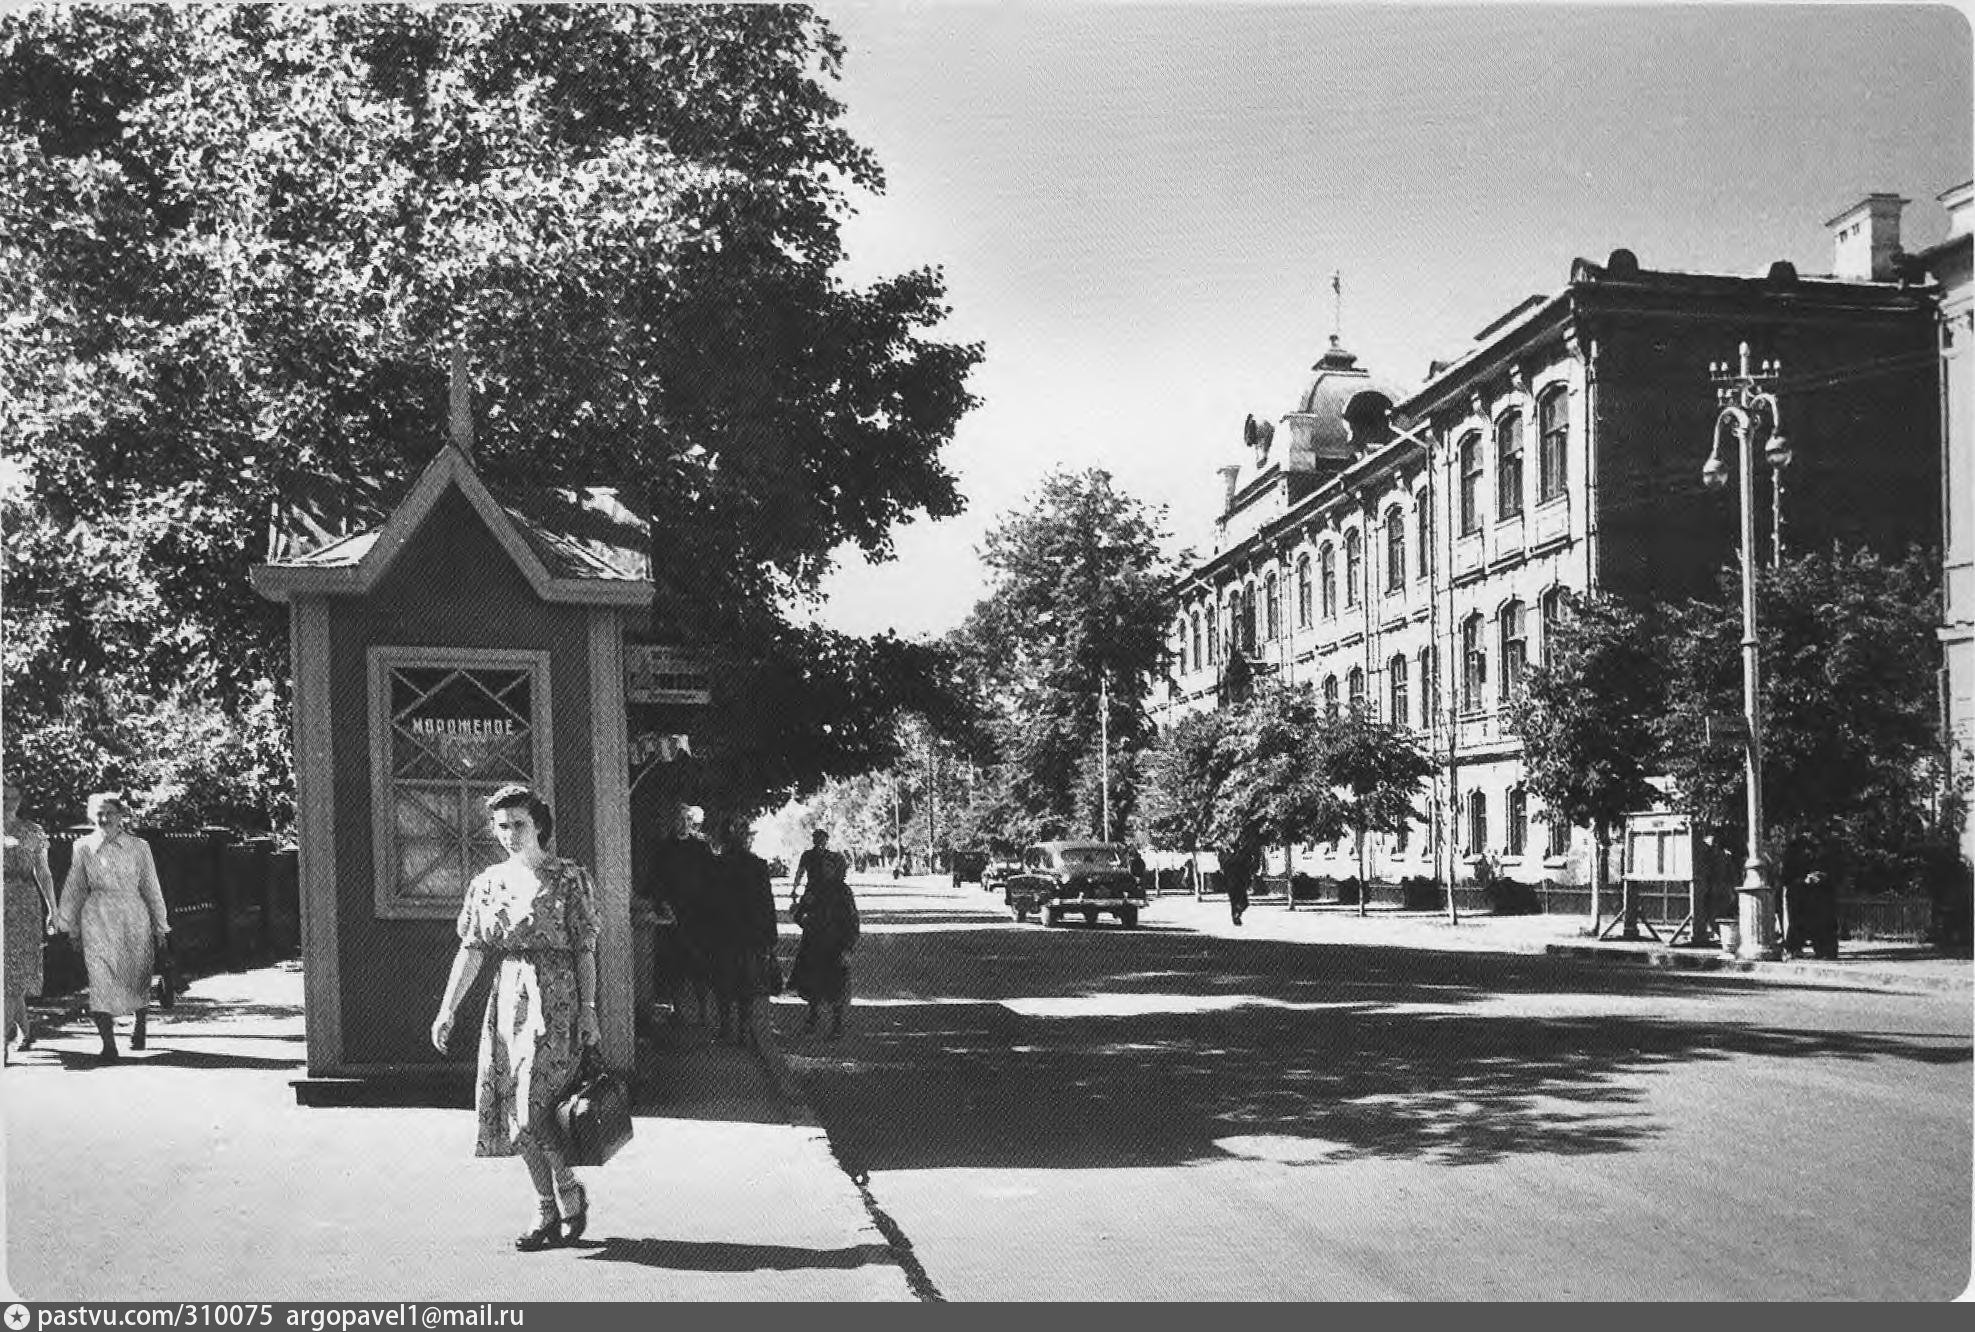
(1749,413)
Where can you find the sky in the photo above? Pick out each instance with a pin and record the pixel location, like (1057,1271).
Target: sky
(1139,208)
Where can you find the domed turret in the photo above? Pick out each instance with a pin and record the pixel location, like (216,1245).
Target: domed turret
(1344,412)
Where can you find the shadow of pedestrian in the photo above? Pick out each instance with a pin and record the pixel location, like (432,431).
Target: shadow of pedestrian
(723,1256)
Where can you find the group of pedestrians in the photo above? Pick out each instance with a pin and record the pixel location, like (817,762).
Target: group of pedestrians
(111,903)
(716,937)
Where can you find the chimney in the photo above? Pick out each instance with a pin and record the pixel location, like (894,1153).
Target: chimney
(1228,474)
(1866,239)
(461,403)
(1960,203)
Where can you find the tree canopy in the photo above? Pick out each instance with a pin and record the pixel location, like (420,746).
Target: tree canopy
(1076,615)
(241,242)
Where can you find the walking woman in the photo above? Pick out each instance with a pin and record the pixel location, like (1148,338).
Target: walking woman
(534,916)
(111,901)
(30,908)
(744,916)
(827,914)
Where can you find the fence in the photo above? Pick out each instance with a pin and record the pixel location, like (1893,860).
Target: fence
(233,903)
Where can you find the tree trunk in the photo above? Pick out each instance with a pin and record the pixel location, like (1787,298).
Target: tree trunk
(1601,839)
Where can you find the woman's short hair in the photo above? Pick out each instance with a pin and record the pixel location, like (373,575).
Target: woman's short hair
(518,796)
(100,799)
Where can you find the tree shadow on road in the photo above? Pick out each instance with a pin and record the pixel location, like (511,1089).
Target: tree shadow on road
(1171,1049)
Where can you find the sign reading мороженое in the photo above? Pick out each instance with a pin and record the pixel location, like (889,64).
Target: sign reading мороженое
(463,726)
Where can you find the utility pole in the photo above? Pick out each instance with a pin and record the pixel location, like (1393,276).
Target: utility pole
(1104,747)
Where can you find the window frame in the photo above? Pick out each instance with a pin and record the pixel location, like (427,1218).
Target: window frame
(1516,816)
(1303,591)
(1474,664)
(1395,549)
(1271,606)
(1429,686)
(1423,523)
(1327,578)
(1354,566)
(1471,468)
(1553,444)
(1477,822)
(1332,702)
(1355,689)
(1509,478)
(1398,688)
(1512,639)
(388,899)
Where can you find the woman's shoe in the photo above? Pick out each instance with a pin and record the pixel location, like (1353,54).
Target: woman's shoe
(545,1236)
(573,1226)
(27,1036)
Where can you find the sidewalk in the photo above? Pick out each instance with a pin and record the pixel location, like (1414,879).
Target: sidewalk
(188,1172)
(1861,964)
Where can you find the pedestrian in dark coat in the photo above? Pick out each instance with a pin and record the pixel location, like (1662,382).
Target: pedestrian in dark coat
(742,910)
(679,886)
(827,914)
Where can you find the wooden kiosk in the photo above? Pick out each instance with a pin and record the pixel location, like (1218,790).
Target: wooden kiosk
(467,642)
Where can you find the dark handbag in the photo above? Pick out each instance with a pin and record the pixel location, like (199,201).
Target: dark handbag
(169,984)
(595,1113)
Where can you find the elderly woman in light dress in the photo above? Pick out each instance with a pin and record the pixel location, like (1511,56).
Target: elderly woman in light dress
(111,901)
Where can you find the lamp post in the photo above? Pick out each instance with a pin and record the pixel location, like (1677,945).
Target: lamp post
(1749,412)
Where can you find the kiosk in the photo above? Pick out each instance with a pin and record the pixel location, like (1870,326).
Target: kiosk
(467,642)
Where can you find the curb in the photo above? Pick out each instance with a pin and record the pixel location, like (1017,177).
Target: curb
(1675,960)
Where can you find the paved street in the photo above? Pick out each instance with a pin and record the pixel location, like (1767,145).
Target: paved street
(1092,1113)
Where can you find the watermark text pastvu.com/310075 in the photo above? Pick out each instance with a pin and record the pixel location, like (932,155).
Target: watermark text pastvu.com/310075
(315,1317)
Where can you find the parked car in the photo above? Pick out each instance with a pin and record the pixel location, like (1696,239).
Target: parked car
(1088,878)
(967,866)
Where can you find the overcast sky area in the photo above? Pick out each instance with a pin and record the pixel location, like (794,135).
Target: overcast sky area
(1138,208)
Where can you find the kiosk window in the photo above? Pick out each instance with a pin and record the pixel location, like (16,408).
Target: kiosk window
(452,733)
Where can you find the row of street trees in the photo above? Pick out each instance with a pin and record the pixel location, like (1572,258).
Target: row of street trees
(1857,772)
(237,248)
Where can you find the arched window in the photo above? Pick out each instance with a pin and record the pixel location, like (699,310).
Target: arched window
(1214,636)
(1271,607)
(1303,592)
(1330,696)
(1327,576)
(1474,664)
(1515,648)
(1423,522)
(1554,609)
(1395,679)
(1518,819)
(1395,549)
(1553,424)
(1354,558)
(1508,467)
(1403,837)
(1357,689)
(1248,620)
(1429,687)
(1477,823)
(1197,660)
(1556,837)
(1470,485)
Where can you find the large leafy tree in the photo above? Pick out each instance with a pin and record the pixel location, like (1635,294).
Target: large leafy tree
(1074,622)
(1377,770)
(239,244)
(1854,761)
(1276,790)
(1585,718)
(1183,772)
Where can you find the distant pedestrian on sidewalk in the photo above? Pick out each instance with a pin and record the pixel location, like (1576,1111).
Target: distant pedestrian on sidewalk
(30,912)
(827,914)
(744,939)
(112,903)
(535,916)
(818,860)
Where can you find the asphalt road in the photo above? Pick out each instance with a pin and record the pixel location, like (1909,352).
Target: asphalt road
(1091,1113)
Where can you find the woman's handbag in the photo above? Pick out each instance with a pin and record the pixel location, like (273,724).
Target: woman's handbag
(169,984)
(595,1113)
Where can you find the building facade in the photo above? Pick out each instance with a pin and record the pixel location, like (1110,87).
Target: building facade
(1412,554)
(1948,264)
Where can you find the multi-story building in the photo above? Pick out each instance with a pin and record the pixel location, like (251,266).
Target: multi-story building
(1410,554)
(1949,265)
